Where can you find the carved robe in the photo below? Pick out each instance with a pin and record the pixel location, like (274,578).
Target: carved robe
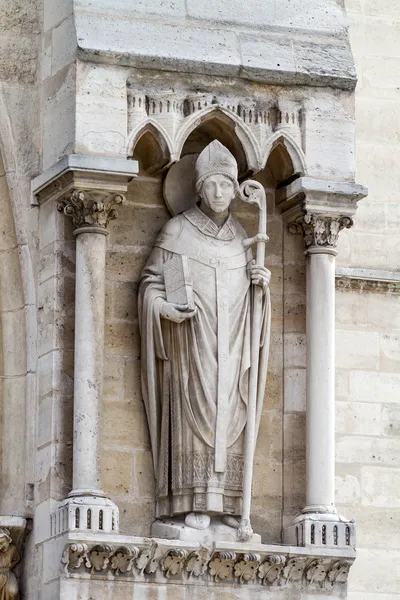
(195,373)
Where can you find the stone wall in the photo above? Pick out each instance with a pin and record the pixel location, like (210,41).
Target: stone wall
(20,28)
(19,145)
(83,108)
(261,41)
(368,324)
(375,243)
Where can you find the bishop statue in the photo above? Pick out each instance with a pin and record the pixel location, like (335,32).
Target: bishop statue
(196,351)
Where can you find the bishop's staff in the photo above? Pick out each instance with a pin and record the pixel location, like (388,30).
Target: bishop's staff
(253,192)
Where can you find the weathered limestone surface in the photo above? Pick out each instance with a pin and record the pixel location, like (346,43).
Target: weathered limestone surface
(164,37)
(373,31)
(228,40)
(368,328)
(51,105)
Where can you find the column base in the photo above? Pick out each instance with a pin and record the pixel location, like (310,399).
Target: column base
(89,513)
(321,530)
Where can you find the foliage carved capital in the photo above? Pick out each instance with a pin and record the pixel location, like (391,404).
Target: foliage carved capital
(91,209)
(320,231)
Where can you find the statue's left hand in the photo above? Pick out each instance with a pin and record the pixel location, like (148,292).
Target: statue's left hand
(260,276)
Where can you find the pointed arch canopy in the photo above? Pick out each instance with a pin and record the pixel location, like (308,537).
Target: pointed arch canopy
(289,147)
(151,145)
(233,124)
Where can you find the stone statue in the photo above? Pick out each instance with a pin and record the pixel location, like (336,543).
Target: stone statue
(196,354)
(9,557)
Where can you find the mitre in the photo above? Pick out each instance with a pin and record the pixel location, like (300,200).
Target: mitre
(215,159)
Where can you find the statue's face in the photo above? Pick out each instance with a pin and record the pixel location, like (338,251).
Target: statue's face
(217,192)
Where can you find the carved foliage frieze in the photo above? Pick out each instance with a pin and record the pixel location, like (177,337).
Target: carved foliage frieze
(320,230)
(153,561)
(90,209)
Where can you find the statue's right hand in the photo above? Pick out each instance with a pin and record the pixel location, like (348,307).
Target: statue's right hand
(175,312)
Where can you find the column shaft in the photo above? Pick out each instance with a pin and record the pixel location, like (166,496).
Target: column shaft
(320,381)
(89,348)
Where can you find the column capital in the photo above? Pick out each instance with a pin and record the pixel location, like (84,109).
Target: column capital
(90,210)
(319,209)
(320,231)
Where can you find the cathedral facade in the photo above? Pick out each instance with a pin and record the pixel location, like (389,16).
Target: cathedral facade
(105,108)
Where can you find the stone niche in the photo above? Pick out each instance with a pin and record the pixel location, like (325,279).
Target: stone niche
(280,137)
(169,129)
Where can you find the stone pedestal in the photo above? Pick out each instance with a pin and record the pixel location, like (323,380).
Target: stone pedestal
(96,514)
(217,531)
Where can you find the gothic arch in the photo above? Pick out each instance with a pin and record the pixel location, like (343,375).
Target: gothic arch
(290,147)
(231,123)
(151,145)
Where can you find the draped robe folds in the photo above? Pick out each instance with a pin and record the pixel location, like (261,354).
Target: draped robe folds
(195,373)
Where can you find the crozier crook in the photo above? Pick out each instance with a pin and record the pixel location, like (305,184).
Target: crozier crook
(253,192)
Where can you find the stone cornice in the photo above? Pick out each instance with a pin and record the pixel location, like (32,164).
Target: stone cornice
(319,209)
(230,51)
(319,196)
(86,188)
(141,559)
(93,174)
(368,280)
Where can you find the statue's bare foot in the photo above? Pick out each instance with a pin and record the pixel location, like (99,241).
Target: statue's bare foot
(197,520)
(231,521)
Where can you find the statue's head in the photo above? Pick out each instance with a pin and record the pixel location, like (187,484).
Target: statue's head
(216,176)
(5,539)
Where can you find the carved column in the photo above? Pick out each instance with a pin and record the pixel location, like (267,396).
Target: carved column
(320,237)
(87,190)
(319,210)
(90,213)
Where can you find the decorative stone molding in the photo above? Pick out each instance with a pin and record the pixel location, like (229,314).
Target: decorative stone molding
(91,209)
(85,514)
(319,209)
(172,116)
(251,111)
(271,569)
(75,555)
(320,230)
(173,562)
(92,186)
(160,560)
(368,280)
